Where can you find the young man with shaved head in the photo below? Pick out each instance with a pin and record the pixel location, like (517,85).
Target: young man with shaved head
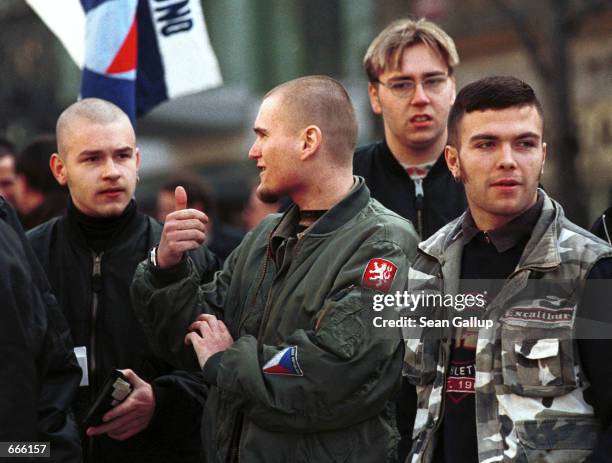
(284,333)
(90,256)
(533,380)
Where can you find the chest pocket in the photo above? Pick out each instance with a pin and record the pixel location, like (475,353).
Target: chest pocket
(538,357)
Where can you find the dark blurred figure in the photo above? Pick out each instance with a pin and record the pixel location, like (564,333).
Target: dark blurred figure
(222,238)
(38,197)
(603,226)
(7,170)
(39,373)
(256,210)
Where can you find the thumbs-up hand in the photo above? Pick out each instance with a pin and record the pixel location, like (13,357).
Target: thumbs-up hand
(184,230)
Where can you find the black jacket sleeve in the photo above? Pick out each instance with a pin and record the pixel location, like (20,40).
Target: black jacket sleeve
(18,376)
(57,374)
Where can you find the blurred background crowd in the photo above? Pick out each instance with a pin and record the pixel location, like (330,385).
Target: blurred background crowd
(563,48)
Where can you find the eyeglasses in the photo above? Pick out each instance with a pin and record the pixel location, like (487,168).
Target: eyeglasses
(405,88)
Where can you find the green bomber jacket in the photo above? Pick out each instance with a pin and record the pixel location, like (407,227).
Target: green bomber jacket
(309,377)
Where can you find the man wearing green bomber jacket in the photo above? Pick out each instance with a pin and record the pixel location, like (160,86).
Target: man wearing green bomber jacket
(284,332)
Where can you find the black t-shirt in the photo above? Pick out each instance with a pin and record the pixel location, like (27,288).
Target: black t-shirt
(488,259)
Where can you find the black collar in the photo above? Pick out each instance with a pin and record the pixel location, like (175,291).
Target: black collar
(100,233)
(509,235)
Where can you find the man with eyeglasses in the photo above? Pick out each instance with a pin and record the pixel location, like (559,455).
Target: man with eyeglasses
(411,84)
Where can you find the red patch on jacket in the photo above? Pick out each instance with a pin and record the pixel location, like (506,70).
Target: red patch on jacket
(378,275)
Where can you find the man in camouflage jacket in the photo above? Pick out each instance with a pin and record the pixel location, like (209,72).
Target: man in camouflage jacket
(537,392)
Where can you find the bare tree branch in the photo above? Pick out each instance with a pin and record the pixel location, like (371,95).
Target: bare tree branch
(526,37)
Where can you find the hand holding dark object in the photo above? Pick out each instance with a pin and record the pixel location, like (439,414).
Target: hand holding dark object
(184,230)
(208,335)
(131,416)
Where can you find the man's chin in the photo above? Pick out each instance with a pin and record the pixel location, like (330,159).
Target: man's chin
(267,196)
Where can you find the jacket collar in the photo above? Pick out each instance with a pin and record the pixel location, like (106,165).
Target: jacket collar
(541,251)
(355,200)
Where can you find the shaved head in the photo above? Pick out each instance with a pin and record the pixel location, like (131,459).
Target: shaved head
(88,110)
(323,102)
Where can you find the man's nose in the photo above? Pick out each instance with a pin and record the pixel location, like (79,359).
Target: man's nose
(507,160)
(419,96)
(254,152)
(110,169)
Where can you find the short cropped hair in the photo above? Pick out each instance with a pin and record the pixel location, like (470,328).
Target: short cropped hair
(33,164)
(94,110)
(496,92)
(324,102)
(386,50)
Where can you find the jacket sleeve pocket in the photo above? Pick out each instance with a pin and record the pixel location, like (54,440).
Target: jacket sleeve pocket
(537,360)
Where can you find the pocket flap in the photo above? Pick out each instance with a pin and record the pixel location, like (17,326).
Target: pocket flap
(561,433)
(539,349)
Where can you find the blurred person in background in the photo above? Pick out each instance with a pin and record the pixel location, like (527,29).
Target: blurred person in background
(89,255)
(38,196)
(256,210)
(411,86)
(221,238)
(7,170)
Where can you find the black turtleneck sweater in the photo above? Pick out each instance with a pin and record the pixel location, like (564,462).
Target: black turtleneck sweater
(100,232)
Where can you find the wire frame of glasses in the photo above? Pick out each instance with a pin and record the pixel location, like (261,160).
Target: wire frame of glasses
(405,88)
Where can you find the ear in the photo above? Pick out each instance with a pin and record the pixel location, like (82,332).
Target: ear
(137,154)
(374,99)
(544,151)
(310,141)
(58,168)
(452,160)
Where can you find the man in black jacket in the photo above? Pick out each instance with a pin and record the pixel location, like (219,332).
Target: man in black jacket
(90,256)
(39,374)
(411,85)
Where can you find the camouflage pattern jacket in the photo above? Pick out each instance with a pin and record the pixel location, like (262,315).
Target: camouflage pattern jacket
(529,388)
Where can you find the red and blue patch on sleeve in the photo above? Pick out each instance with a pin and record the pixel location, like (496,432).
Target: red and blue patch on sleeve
(284,363)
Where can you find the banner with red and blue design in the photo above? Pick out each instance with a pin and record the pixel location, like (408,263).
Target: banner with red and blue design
(135,53)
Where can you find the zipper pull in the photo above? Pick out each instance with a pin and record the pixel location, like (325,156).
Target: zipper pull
(96,275)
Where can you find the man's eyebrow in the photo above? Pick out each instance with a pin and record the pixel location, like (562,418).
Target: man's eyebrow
(424,76)
(529,135)
(483,136)
(489,136)
(89,153)
(121,149)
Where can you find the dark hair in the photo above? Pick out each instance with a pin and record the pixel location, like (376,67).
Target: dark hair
(33,164)
(196,189)
(7,147)
(496,92)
